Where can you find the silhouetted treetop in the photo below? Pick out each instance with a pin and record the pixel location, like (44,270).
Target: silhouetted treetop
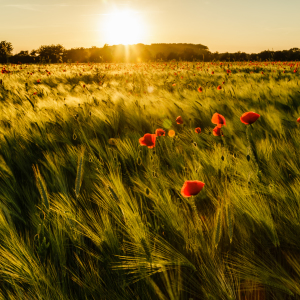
(138,53)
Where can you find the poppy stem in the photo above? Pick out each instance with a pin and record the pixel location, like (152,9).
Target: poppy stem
(251,150)
(197,218)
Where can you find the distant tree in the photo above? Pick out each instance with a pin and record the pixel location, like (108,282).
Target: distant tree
(6,49)
(95,54)
(23,53)
(172,55)
(33,53)
(265,55)
(106,53)
(225,56)
(294,54)
(160,56)
(52,53)
(188,54)
(76,54)
(146,55)
(22,57)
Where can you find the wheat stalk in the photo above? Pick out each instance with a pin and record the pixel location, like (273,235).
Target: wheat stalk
(79,176)
(229,221)
(217,234)
(40,182)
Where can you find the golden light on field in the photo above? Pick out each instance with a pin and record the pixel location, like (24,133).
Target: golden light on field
(123,27)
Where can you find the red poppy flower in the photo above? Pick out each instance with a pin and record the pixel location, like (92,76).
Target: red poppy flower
(192,188)
(200,89)
(198,130)
(179,120)
(249,117)
(39,81)
(160,132)
(298,120)
(83,86)
(219,87)
(217,131)
(218,119)
(148,140)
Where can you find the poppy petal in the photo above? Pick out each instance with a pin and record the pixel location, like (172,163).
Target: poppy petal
(218,119)
(192,188)
(160,132)
(249,117)
(217,131)
(179,120)
(148,140)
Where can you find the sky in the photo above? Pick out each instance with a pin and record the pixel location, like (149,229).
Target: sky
(221,25)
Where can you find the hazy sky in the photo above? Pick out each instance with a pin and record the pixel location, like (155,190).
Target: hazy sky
(222,25)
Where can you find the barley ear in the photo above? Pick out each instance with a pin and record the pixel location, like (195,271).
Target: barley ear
(229,221)
(79,176)
(146,248)
(41,185)
(218,229)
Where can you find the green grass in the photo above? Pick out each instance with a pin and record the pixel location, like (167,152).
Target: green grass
(89,213)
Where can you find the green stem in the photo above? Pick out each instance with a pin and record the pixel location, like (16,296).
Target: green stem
(251,150)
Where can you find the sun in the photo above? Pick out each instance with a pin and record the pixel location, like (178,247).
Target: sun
(123,27)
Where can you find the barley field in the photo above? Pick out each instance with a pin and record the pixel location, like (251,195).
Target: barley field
(94,208)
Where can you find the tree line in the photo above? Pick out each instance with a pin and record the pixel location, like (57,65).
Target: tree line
(137,53)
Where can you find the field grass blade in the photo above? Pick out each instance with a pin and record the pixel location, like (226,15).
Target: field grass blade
(40,182)
(79,176)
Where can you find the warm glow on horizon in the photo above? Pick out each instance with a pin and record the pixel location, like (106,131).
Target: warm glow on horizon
(123,27)
(223,26)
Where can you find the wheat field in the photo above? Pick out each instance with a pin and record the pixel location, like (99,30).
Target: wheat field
(87,212)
